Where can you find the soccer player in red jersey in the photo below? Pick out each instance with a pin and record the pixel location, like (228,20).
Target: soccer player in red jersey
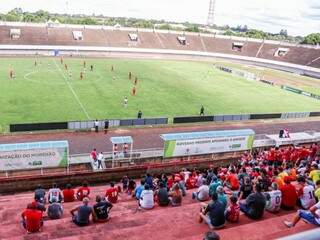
(112,193)
(83,191)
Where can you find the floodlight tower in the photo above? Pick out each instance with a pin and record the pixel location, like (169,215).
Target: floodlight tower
(210,20)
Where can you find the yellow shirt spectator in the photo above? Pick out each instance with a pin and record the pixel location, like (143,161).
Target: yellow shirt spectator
(315,175)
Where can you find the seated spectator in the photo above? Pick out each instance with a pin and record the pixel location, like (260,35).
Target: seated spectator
(101,210)
(83,213)
(317,191)
(54,192)
(233,211)
(146,198)
(125,183)
(213,213)
(215,183)
(289,195)
(191,182)
(314,175)
(112,193)
(137,192)
(182,186)
(232,181)
(83,192)
(254,204)
(175,196)
(68,194)
(39,194)
(55,210)
(149,180)
(305,194)
(222,197)
(312,216)
(274,198)
(32,219)
(246,188)
(39,206)
(211,236)
(203,192)
(162,195)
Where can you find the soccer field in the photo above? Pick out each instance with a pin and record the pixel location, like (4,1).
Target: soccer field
(46,92)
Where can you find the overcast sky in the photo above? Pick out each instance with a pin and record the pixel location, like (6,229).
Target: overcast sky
(299,17)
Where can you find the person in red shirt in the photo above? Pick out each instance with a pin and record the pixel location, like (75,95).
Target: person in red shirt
(233,211)
(191,183)
(232,181)
(68,194)
(112,193)
(83,191)
(93,154)
(32,219)
(313,151)
(289,195)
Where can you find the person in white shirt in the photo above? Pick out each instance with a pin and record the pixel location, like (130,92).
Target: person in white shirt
(96,126)
(100,158)
(305,193)
(311,216)
(146,200)
(274,198)
(203,192)
(125,102)
(54,193)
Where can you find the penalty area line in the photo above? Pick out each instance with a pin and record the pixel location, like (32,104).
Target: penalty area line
(72,90)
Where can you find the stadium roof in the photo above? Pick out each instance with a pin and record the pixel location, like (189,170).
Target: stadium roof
(209,134)
(121,140)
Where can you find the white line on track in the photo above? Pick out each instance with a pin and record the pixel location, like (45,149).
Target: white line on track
(72,90)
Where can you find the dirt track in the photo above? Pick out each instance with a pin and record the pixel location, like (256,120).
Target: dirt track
(84,142)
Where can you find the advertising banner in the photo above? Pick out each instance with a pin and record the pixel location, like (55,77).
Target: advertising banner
(208,145)
(33,155)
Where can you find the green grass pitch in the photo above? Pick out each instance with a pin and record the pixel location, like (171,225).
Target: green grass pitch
(45,93)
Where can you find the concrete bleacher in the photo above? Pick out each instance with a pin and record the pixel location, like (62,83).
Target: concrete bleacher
(127,223)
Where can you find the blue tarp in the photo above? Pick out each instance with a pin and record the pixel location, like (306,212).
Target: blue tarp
(209,134)
(121,140)
(33,145)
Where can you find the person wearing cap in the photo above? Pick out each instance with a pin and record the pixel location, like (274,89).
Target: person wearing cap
(81,214)
(273,198)
(55,210)
(203,192)
(289,195)
(254,204)
(32,218)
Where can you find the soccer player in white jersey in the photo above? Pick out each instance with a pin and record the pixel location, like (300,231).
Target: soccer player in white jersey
(305,193)
(274,198)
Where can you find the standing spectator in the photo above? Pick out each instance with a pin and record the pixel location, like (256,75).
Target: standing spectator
(305,194)
(146,198)
(96,125)
(255,204)
(202,111)
(40,195)
(55,210)
(289,195)
(162,195)
(273,199)
(233,211)
(54,193)
(93,155)
(139,114)
(215,210)
(81,214)
(32,219)
(203,192)
(101,210)
(68,193)
(314,151)
(175,196)
(112,193)
(100,158)
(83,192)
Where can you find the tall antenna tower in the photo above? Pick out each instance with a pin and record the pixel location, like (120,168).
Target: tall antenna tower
(210,20)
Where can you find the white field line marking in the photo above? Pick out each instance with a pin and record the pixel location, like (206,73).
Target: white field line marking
(72,90)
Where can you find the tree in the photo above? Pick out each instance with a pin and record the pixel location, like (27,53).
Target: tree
(313,38)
